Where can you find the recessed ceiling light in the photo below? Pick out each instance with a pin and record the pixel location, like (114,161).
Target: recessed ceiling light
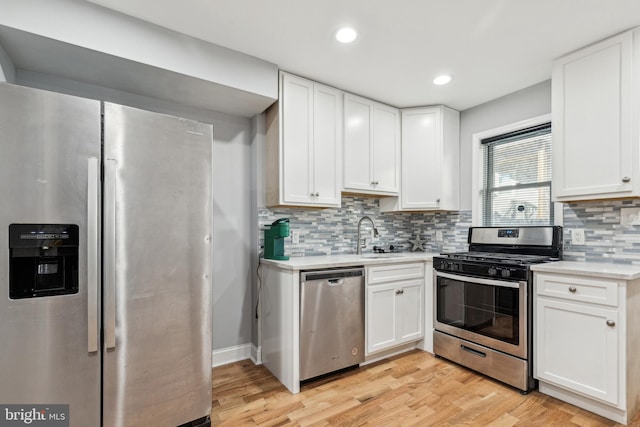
(346,35)
(442,80)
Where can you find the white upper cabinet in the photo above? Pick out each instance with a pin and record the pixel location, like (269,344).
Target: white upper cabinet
(596,100)
(304,143)
(430,161)
(371,146)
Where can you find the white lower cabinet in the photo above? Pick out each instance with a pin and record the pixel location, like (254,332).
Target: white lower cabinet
(394,305)
(582,352)
(574,338)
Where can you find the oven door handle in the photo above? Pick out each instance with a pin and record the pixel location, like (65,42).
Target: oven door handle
(501,283)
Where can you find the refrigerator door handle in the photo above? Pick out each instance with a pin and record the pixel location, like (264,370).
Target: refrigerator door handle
(93,183)
(110,253)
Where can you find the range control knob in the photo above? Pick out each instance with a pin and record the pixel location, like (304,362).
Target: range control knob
(492,271)
(506,272)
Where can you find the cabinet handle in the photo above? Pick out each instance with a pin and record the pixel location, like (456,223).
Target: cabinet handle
(437,200)
(399,291)
(611,323)
(374,183)
(317,194)
(626,179)
(572,289)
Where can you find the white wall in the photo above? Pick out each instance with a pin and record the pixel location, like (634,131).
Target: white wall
(526,103)
(233,223)
(7,69)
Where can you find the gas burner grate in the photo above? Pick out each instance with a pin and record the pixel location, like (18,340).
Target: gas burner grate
(497,257)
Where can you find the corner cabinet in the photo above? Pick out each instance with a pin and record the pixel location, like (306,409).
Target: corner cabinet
(430,161)
(596,109)
(371,147)
(585,349)
(394,305)
(304,144)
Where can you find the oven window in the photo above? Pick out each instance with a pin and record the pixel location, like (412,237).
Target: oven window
(492,311)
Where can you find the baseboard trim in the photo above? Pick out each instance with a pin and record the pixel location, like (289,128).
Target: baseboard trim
(232,354)
(256,354)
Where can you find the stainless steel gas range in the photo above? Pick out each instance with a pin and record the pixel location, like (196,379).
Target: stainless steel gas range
(483,300)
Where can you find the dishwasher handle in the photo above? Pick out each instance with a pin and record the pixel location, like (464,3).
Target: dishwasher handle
(331,275)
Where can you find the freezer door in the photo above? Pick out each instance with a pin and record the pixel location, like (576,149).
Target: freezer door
(48,350)
(157,268)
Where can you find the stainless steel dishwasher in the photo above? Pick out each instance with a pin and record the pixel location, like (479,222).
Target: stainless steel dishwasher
(331,320)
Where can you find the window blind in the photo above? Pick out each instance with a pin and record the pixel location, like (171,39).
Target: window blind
(517,178)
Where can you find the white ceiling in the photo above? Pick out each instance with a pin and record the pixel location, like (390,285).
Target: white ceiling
(492,47)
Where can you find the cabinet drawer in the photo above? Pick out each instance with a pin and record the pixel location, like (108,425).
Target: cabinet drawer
(576,288)
(393,272)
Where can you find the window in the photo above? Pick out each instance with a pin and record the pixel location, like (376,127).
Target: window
(516,177)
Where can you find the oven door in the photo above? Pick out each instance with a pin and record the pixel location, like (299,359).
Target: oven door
(488,312)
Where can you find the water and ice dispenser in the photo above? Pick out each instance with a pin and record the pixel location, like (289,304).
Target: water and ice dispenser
(43,260)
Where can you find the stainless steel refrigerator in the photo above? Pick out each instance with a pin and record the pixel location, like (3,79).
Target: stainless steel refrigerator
(105,260)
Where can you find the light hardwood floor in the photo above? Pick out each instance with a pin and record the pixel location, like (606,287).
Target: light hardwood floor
(413,389)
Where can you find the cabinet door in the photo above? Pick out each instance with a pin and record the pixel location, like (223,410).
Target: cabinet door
(421,159)
(297,140)
(327,144)
(357,136)
(385,145)
(575,348)
(410,311)
(592,121)
(381,317)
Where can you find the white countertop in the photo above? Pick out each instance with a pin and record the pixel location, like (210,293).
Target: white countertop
(592,269)
(330,261)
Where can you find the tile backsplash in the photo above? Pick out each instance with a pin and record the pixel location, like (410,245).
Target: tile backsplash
(611,235)
(333,231)
(612,229)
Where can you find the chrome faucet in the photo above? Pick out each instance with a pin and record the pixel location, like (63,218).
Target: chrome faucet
(359,245)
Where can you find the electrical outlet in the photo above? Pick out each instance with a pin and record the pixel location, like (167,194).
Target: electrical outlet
(439,236)
(295,236)
(630,216)
(577,236)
